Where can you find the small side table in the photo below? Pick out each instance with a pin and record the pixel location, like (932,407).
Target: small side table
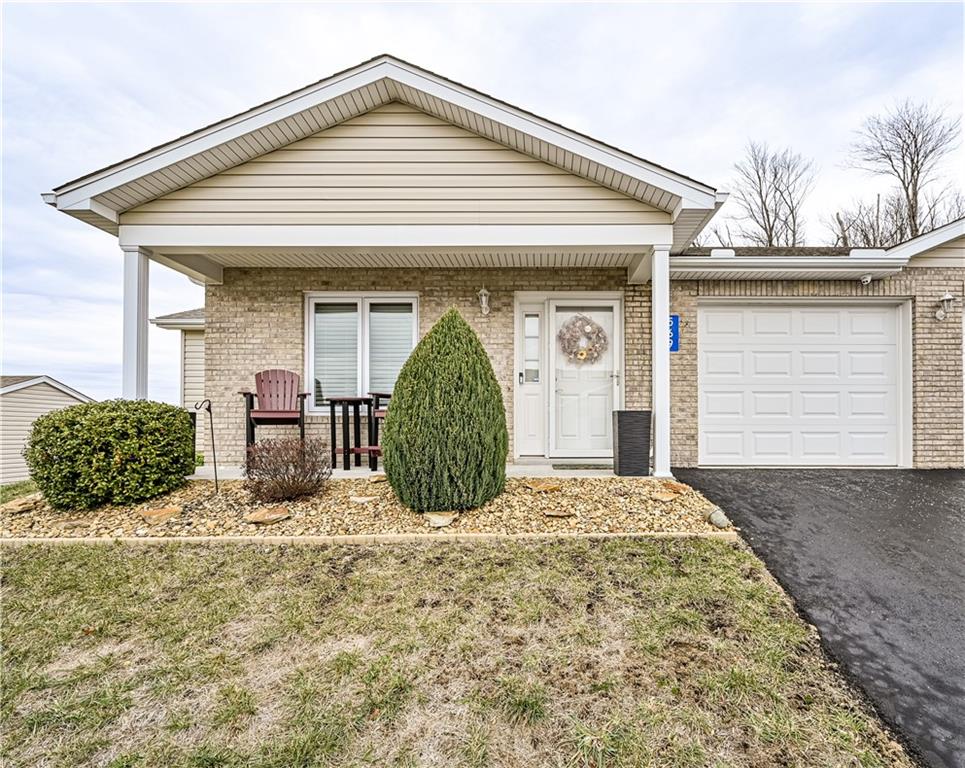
(377,412)
(355,403)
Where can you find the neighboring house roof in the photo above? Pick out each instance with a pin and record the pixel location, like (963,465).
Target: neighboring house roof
(187,320)
(13,383)
(100,197)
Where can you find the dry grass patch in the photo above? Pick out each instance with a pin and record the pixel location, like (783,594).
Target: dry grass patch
(560,653)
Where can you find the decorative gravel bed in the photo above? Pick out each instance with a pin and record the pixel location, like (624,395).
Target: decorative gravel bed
(367,506)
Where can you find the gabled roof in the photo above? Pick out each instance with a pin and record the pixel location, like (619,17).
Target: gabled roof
(99,197)
(930,240)
(13,383)
(181,321)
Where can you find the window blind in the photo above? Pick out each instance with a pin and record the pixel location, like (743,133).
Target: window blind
(336,350)
(390,342)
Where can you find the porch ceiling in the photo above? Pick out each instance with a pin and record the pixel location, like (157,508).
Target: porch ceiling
(413,258)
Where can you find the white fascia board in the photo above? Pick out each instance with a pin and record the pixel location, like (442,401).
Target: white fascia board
(199,268)
(693,194)
(50,382)
(802,266)
(195,324)
(933,239)
(403,236)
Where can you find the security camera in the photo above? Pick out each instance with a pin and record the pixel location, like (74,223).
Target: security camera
(865,279)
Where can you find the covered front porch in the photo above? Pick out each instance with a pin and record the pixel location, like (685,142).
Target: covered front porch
(346,321)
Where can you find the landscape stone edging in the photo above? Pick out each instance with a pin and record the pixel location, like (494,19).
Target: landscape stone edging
(382,538)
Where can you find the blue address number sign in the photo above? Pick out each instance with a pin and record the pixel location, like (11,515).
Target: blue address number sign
(674,333)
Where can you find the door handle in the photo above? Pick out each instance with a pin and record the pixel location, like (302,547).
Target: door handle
(520,377)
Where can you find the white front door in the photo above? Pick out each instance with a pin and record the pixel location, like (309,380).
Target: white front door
(531,380)
(794,384)
(584,357)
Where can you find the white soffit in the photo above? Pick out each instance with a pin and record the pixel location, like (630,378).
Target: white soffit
(852,267)
(98,197)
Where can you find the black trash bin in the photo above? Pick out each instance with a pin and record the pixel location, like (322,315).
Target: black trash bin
(631,443)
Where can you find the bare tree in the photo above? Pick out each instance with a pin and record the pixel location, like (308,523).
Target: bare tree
(907,144)
(770,190)
(880,224)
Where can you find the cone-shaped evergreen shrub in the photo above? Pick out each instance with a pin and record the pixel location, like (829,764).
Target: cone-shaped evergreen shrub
(445,438)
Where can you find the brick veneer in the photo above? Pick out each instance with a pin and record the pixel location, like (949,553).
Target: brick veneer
(255,321)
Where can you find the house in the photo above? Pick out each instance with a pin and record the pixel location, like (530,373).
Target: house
(22,400)
(333,225)
(190,324)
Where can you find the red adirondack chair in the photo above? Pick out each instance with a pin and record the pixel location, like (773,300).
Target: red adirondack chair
(279,402)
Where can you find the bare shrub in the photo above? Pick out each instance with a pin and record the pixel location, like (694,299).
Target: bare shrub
(283,470)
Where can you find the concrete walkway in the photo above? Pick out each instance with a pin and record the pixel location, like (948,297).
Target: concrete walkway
(535,469)
(876,560)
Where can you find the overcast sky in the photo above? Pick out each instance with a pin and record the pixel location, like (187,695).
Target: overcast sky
(685,85)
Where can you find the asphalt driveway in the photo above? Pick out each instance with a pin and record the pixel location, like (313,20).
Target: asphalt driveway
(876,560)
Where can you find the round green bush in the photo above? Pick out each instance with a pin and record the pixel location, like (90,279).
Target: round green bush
(117,451)
(445,438)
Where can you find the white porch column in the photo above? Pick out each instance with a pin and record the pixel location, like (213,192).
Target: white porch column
(660,359)
(134,363)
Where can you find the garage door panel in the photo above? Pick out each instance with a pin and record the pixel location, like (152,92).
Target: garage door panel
(723,405)
(770,363)
(798,385)
(820,324)
(722,324)
(771,324)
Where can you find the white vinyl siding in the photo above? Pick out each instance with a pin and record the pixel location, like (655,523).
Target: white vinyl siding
(192,368)
(192,380)
(18,411)
(395,165)
(357,343)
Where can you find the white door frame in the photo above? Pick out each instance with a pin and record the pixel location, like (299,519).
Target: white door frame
(549,299)
(904,343)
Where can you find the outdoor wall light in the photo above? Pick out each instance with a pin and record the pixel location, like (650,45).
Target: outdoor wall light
(946,306)
(483,300)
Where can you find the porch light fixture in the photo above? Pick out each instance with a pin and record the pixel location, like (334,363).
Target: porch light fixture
(483,300)
(945,303)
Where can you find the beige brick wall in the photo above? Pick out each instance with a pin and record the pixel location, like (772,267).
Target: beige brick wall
(255,320)
(937,354)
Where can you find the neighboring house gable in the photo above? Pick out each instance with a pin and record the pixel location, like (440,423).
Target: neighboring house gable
(22,400)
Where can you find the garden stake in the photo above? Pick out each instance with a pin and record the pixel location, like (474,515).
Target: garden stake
(206,406)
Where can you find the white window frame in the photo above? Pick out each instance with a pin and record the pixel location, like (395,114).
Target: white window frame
(362,300)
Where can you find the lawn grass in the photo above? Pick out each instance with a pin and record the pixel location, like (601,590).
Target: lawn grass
(557,653)
(12,491)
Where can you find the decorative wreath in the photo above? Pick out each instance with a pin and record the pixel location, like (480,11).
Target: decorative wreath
(582,340)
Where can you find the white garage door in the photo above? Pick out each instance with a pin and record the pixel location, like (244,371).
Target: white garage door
(795,385)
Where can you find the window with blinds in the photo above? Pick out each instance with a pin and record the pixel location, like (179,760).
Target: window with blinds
(358,344)
(390,342)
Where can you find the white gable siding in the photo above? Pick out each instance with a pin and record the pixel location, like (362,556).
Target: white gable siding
(395,165)
(18,410)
